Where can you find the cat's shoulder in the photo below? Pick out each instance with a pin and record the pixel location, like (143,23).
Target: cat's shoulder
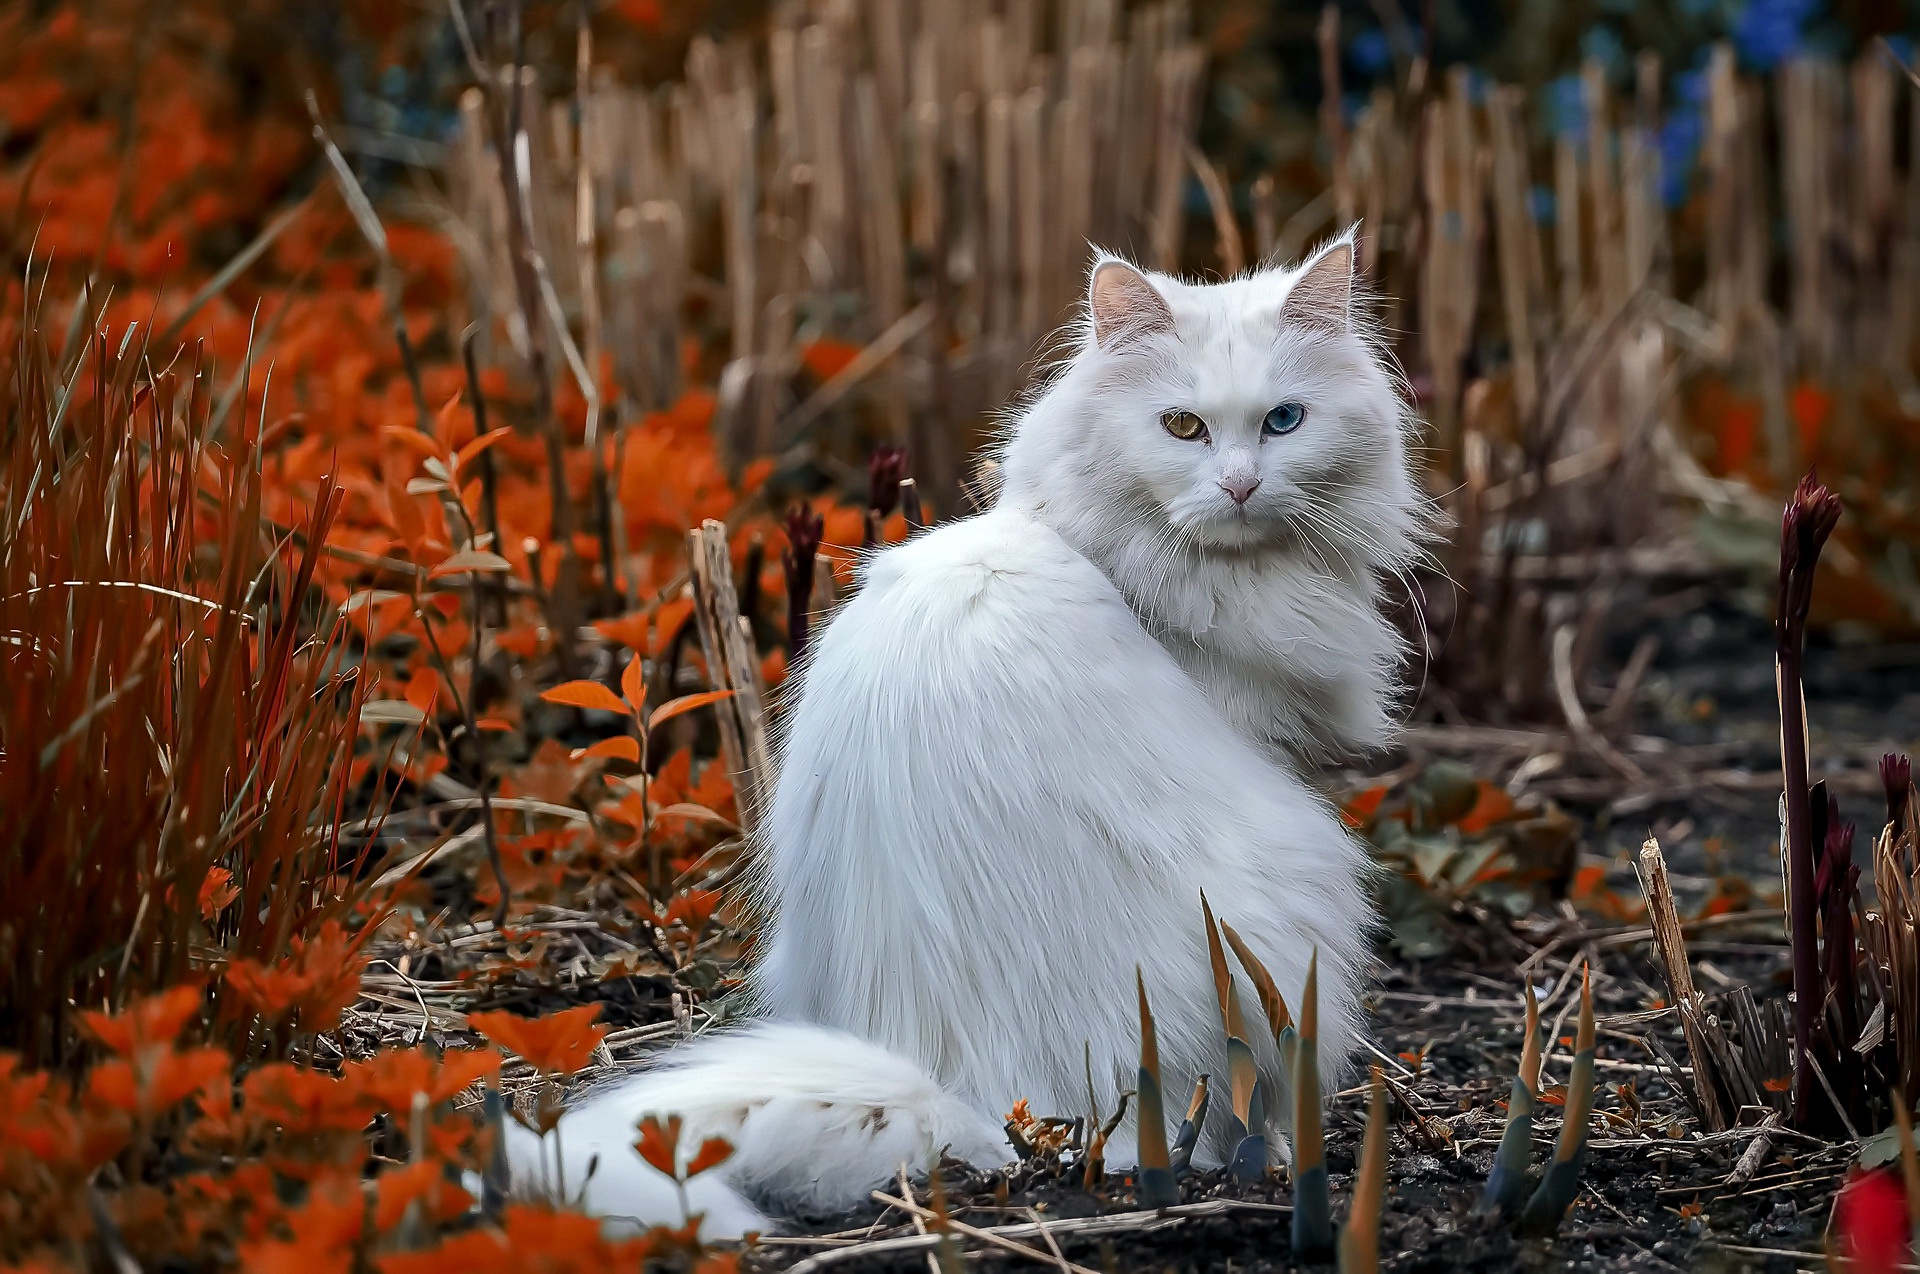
(1001,554)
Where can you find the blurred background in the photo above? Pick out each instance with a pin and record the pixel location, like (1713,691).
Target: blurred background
(1643,263)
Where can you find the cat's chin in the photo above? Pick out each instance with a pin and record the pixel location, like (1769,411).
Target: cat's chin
(1238,535)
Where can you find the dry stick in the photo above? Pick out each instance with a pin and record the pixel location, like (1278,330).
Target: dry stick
(489,476)
(586,266)
(1233,257)
(922,1215)
(475,739)
(1332,128)
(919,1222)
(1265,231)
(1670,944)
(515,153)
(1576,715)
(1083,1227)
(1756,1152)
(869,360)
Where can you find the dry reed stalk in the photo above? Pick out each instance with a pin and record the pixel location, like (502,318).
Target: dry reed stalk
(1670,946)
(1333,131)
(1516,245)
(1450,277)
(855,134)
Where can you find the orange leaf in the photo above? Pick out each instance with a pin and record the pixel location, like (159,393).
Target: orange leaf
(423,689)
(659,1143)
(466,454)
(714,1151)
(476,560)
(495,723)
(828,358)
(629,630)
(217,890)
(158,1019)
(623,746)
(413,440)
(557,1044)
(667,621)
(633,684)
(585,694)
(443,421)
(1491,805)
(686,703)
(1780,1085)
(1361,809)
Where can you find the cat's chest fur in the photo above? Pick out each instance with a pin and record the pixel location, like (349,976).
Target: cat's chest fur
(1295,656)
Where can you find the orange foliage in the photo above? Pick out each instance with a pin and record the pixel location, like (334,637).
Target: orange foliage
(559,1044)
(314,985)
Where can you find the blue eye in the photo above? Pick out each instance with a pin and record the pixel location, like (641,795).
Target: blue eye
(1283,419)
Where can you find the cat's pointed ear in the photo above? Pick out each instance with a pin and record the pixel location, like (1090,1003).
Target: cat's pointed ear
(1124,304)
(1322,293)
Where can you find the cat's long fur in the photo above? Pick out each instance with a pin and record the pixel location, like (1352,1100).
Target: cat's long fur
(1031,740)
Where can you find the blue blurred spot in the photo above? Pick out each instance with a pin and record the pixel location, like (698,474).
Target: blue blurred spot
(1565,107)
(1540,205)
(1769,32)
(1680,138)
(1369,52)
(1602,44)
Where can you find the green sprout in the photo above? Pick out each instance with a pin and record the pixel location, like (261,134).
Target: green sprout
(1312,1207)
(1561,1181)
(1247,1130)
(1360,1236)
(1188,1134)
(1509,1176)
(1157,1188)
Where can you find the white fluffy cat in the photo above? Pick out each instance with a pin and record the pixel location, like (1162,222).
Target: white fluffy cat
(1034,737)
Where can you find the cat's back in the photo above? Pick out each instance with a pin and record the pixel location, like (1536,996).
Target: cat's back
(978,570)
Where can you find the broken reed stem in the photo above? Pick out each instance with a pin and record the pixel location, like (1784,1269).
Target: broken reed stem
(1809,518)
(1670,946)
(726,641)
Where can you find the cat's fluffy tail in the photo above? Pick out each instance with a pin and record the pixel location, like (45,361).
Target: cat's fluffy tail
(817,1119)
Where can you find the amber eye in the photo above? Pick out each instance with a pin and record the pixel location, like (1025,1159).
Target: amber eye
(1184,425)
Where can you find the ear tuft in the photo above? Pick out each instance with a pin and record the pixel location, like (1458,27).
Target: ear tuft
(1322,293)
(1125,306)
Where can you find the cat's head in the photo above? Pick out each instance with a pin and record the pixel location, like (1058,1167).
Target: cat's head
(1250,414)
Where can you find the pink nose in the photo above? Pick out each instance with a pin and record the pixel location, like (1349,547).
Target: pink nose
(1239,488)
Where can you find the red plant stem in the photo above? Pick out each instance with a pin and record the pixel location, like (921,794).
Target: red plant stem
(1808,520)
(804,529)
